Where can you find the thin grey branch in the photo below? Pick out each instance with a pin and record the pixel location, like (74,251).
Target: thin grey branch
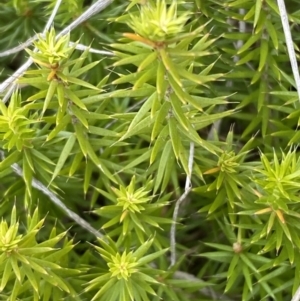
(91,11)
(52,16)
(92,50)
(187,190)
(12,78)
(32,39)
(19,48)
(54,199)
(289,43)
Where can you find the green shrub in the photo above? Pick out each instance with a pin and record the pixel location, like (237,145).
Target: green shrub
(149,150)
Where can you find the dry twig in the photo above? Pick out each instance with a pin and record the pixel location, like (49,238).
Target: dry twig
(187,189)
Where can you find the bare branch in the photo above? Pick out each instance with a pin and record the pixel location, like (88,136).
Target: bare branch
(187,190)
(289,43)
(92,50)
(32,39)
(19,47)
(52,16)
(54,199)
(91,11)
(12,78)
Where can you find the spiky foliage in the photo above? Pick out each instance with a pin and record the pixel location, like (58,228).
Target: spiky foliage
(181,92)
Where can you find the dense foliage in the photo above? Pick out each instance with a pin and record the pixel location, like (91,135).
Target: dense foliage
(168,130)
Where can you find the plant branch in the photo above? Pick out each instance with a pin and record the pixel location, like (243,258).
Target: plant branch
(54,199)
(92,50)
(187,190)
(32,39)
(52,16)
(19,48)
(289,43)
(91,11)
